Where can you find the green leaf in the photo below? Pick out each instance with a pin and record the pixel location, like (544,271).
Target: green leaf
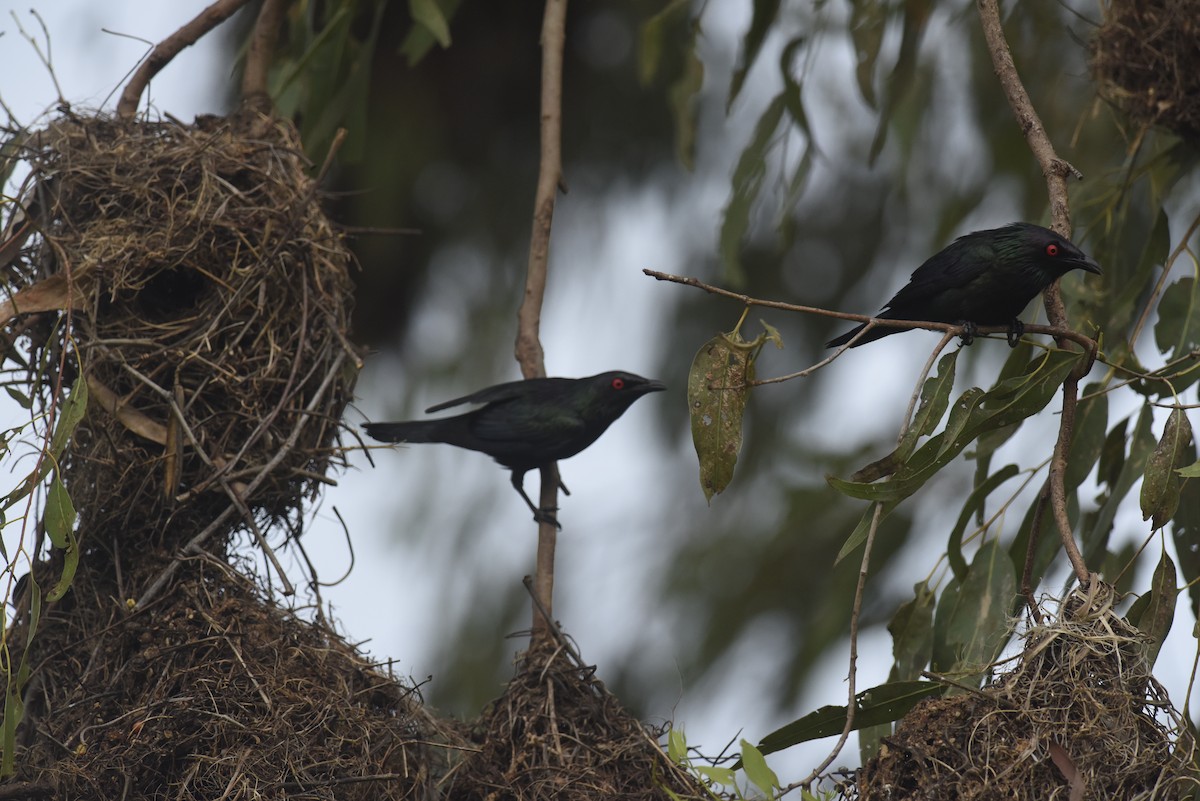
(867,18)
(70,413)
(1186,533)
(882,704)
(1091,422)
(974,502)
(1160,484)
(60,514)
(916,16)
(652,37)
(1177,331)
(20,397)
(717,393)
(1129,469)
(677,746)
(975,413)
(748,178)
(972,624)
(1191,471)
(765,12)
(912,634)
(427,13)
(859,535)
(757,770)
(60,527)
(1154,612)
(935,397)
(682,98)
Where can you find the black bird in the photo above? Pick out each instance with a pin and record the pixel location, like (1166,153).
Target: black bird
(529,424)
(983,278)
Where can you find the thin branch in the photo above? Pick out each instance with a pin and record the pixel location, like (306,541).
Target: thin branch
(1058,332)
(263,41)
(528,345)
(170,47)
(1055,170)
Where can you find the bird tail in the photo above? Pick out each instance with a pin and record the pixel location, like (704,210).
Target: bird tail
(878,332)
(412,431)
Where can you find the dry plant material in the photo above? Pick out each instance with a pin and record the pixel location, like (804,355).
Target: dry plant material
(210,300)
(1146,61)
(1079,716)
(558,734)
(215,692)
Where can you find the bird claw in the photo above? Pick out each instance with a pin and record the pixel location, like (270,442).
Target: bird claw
(547,515)
(1016,330)
(969,329)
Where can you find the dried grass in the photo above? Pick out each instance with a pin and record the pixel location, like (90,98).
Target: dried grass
(1146,61)
(1079,712)
(211,300)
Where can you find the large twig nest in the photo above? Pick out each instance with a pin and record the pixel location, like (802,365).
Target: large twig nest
(1146,60)
(209,303)
(1078,717)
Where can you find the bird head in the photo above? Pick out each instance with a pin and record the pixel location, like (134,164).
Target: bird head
(617,390)
(1051,252)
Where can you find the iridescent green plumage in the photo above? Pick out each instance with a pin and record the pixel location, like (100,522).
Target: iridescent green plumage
(986,278)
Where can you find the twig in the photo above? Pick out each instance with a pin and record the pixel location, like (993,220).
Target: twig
(851,679)
(1055,170)
(262,50)
(194,545)
(528,345)
(1058,332)
(170,47)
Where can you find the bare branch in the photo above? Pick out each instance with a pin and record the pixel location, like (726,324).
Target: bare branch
(263,40)
(1089,345)
(1055,170)
(170,47)
(528,345)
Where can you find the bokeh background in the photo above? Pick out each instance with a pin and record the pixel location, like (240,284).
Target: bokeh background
(729,619)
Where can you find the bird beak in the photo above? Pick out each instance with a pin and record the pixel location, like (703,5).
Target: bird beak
(1086,263)
(655,386)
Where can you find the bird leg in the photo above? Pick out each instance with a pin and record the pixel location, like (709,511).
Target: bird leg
(1016,330)
(539,515)
(969,329)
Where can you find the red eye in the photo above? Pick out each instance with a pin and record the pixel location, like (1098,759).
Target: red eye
(618,383)
(1052,249)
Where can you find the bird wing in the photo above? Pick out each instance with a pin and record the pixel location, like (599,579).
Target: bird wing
(956,266)
(496,394)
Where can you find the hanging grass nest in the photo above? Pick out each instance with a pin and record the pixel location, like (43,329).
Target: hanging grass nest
(186,278)
(216,692)
(1146,61)
(1078,716)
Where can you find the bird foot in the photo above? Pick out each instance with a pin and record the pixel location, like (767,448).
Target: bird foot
(547,515)
(969,329)
(1016,330)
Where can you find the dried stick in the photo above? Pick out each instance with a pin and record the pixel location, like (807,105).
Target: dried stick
(170,47)
(528,346)
(1055,170)
(1058,332)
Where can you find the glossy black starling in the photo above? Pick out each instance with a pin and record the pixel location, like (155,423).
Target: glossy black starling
(983,278)
(529,424)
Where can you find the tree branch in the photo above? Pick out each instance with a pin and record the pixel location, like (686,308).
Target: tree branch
(170,47)
(263,41)
(1055,170)
(528,347)
(1061,333)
